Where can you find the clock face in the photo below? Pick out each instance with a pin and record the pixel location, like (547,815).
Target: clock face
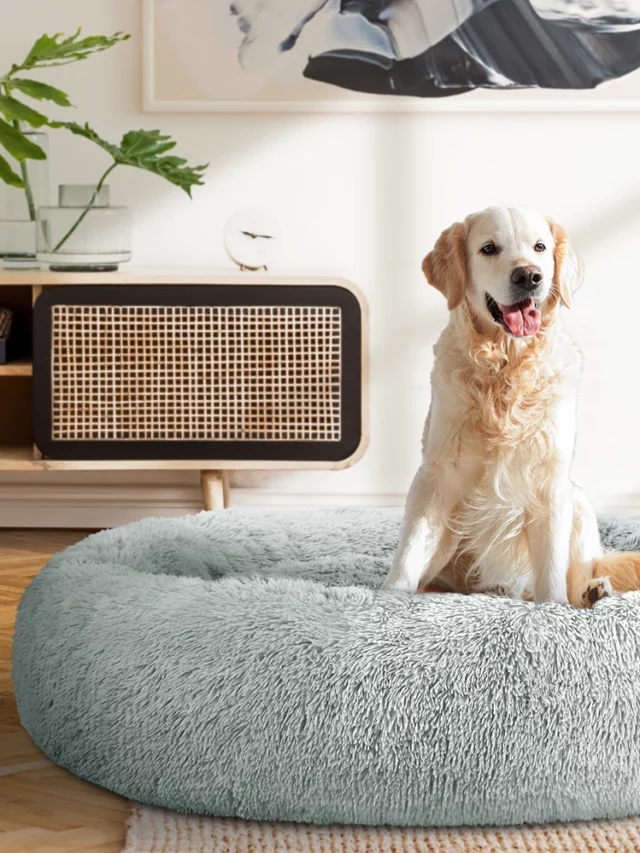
(252,238)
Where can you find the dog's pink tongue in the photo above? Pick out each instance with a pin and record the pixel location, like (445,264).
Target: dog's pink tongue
(522,319)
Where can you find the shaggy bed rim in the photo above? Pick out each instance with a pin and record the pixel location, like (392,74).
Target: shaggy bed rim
(245,664)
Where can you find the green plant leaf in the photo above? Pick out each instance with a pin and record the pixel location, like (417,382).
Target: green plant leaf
(144,149)
(40,91)
(9,176)
(139,143)
(47,51)
(14,110)
(18,145)
(58,50)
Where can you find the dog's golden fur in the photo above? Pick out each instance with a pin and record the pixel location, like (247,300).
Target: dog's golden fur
(492,503)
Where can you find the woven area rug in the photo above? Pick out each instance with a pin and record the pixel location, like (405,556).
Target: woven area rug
(159,831)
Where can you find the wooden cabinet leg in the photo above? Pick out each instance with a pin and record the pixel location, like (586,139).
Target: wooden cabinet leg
(226,490)
(215,489)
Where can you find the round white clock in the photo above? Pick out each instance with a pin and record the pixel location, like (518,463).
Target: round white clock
(252,238)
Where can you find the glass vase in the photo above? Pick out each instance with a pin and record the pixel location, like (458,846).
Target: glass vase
(18,208)
(84,233)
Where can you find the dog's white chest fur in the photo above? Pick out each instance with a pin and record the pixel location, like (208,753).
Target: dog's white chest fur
(488,444)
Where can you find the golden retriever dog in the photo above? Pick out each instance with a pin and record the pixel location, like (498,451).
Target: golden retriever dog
(492,507)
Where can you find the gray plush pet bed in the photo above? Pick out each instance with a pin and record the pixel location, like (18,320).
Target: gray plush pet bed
(245,664)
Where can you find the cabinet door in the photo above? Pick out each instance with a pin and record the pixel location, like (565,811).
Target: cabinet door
(262,372)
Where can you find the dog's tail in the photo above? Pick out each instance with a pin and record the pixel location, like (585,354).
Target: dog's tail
(621,567)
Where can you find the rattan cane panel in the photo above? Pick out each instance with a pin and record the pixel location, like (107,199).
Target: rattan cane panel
(177,373)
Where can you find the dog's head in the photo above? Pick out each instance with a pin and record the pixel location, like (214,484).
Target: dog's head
(511,266)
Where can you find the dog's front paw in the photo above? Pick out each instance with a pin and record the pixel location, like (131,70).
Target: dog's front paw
(594,590)
(497,591)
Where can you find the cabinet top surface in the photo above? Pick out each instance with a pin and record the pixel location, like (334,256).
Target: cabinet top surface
(167,275)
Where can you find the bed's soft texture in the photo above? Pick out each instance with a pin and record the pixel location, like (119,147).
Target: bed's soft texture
(238,663)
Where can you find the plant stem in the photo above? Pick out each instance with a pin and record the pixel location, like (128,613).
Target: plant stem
(27,186)
(31,205)
(96,192)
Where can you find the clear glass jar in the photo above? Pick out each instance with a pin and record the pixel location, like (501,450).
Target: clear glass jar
(18,208)
(84,233)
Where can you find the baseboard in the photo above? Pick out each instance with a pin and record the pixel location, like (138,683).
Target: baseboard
(91,507)
(619,506)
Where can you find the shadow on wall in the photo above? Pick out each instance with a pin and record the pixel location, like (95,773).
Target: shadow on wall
(606,222)
(404,331)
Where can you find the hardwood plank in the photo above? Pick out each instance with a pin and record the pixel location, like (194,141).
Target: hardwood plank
(8,592)
(43,809)
(36,840)
(10,769)
(8,615)
(62,785)
(16,747)
(54,812)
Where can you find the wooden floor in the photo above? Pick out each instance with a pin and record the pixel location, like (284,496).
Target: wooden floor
(43,809)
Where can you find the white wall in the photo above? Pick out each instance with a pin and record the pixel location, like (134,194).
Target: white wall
(365,196)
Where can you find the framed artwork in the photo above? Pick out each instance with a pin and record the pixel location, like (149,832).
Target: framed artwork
(391,55)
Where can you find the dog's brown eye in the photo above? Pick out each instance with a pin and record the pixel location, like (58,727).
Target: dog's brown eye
(539,247)
(489,249)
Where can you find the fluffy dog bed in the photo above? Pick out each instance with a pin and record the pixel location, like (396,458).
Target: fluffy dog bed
(244,664)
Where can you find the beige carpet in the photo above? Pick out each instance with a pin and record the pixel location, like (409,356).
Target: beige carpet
(160,831)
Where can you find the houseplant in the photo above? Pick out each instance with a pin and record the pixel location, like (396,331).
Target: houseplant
(143,149)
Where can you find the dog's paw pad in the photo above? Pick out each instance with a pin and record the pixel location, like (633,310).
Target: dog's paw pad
(497,591)
(595,590)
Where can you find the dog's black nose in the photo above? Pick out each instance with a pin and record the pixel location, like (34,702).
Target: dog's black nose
(526,278)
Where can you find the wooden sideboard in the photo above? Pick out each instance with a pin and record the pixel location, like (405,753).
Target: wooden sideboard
(19,291)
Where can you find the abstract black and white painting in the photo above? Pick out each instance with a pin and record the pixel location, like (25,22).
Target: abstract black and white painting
(208,54)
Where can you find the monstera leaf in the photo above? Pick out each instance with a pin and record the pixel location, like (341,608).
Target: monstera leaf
(9,176)
(41,91)
(145,149)
(48,51)
(14,110)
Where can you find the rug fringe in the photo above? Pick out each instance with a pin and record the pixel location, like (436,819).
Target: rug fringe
(153,830)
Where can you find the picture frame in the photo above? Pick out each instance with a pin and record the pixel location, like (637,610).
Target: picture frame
(616,96)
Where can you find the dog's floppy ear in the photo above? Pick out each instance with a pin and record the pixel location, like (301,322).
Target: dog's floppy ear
(569,270)
(446,265)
